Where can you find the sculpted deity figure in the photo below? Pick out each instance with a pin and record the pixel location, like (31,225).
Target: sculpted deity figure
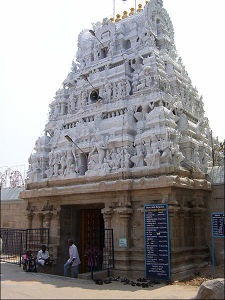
(93,157)
(137,65)
(196,158)
(93,160)
(138,159)
(108,91)
(147,76)
(105,166)
(140,118)
(126,163)
(143,38)
(177,155)
(127,88)
(153,154)
(98,151)
(118,158)
(76,166)
(51,169)
(113,157)
(101,149)
(119,90)
(69,162)
(135,82)
(56,161)
(63,162)
(111,47)
(164,147)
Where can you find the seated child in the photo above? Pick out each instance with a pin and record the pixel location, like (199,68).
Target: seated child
(29,263)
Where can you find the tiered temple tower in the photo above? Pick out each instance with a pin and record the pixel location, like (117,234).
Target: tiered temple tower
(140,134)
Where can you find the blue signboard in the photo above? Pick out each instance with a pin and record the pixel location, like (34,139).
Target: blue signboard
(218,224)
(157,248)
(217,220)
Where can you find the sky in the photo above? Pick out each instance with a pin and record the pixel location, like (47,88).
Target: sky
(39,42)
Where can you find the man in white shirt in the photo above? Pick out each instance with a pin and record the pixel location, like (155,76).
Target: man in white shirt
(73,262)
(43,257)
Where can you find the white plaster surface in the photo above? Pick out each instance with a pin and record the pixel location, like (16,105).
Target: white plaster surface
(148,114)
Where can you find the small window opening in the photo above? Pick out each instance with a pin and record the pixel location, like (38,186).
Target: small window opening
(127,44)
(94,96)
(104,52)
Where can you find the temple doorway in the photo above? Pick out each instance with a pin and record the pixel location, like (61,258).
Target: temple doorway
(84,225)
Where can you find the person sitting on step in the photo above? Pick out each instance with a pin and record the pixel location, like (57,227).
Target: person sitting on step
(29,263)
(43,257)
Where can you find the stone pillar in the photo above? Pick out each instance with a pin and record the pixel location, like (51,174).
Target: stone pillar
(55,232)
(107,215)
(125,213)
(47,219)
(181,214)
(196,211)
(41,218)
(172,210)
(30,216)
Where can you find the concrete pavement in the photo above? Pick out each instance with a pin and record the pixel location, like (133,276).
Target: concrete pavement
(17,284)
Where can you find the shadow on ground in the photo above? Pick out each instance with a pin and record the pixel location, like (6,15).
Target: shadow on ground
(14,273)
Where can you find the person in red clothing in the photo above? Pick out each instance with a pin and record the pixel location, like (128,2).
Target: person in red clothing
(93,254)
(29,263)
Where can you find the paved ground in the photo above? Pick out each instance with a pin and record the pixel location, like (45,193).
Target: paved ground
(16,284)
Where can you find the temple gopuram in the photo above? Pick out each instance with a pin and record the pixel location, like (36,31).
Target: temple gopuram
(126,129)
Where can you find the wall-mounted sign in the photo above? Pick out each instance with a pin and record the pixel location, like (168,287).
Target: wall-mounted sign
(157,248)
(218,224)
(217,220)
(123,242)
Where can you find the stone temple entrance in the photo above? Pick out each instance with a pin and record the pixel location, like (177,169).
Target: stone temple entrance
(82,224)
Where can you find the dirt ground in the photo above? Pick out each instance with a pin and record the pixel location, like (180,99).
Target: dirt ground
(17,284)
(204,275)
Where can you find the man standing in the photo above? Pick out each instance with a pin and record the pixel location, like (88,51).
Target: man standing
(73,262)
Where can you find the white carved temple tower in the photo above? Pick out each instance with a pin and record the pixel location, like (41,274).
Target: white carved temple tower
(140,137)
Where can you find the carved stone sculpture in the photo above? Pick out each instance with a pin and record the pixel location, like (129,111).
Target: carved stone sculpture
(135,89)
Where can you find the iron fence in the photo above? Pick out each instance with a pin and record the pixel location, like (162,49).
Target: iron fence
(101,254)
(15,242)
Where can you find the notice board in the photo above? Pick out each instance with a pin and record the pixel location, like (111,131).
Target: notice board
(157,246)
(217,220)
(218,224)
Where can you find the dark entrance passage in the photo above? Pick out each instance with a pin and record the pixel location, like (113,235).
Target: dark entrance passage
(85,225)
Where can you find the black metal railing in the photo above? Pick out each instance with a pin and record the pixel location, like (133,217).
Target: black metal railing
(101,250)
(15,242)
